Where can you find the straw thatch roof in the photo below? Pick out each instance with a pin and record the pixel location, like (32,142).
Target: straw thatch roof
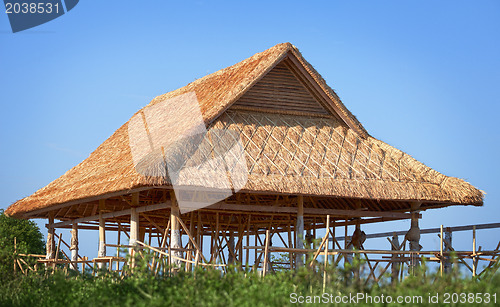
(297,135)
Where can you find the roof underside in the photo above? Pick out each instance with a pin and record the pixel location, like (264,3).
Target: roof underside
(297,136)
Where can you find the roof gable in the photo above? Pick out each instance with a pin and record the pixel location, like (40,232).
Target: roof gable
(280,91)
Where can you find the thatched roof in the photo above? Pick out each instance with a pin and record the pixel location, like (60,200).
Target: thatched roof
(297,135)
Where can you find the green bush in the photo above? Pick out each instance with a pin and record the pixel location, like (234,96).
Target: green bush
(29,241)
(209,287)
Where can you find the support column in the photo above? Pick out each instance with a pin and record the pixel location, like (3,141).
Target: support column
(134,234)
(230,247)
(358,238)
(175,233)
(102,234)
(308,241)
(413,237)
(74,246)
(447,244)
(50,247)
(395,258)
(299,230)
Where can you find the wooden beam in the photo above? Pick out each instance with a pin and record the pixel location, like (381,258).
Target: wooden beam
(430,230)
(110,215)
(85,200)
(310,211)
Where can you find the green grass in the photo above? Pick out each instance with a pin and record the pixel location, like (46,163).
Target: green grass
(211,288)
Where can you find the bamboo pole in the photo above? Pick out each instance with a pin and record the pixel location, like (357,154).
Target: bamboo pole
(441,260)
(15,255)
(299,230)
(447,244)
(74,245)
(326,251)
(266,254)
(247,258)
(102,233)
(50,238)
(175,233)
(474,260)
(118,249)
(57,250)
(134,234)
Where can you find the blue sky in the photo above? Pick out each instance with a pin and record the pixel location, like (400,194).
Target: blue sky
(422,76)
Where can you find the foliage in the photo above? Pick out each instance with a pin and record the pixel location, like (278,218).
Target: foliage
(209,287)
(28,236)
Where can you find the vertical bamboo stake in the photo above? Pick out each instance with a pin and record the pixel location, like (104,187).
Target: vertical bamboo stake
(215,238)
(447,248)
(441,262)
(474,262)
(346,256)
(118,250)
(248,243)
(57,250)
(395,258)
(199,232)
(326,250)
(299,230)
(50,238)
(266,254)
(256,233)
(74,245)
(15,253)
(190,245)
(290,243)
(175,233)
(102,234)
(134,234)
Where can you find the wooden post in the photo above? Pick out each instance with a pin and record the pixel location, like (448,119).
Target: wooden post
(83,264)
(447,248)
(175,233)
(102,234)
(15,254)
(134,234)
(308,243)
(413,237)
(395,258)
(474,259)
(299,231)
(441,260)
(266,254)
(247,266)
(347,257)
(290,243)
(230,247)
(50,248)
(190,244)
(74,245)
(357,240)
(118,249)
(326,250)
(333,239)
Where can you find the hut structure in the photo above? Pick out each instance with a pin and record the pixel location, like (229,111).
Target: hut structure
(290,158)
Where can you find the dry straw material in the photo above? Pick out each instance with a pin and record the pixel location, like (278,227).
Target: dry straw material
(311,149)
